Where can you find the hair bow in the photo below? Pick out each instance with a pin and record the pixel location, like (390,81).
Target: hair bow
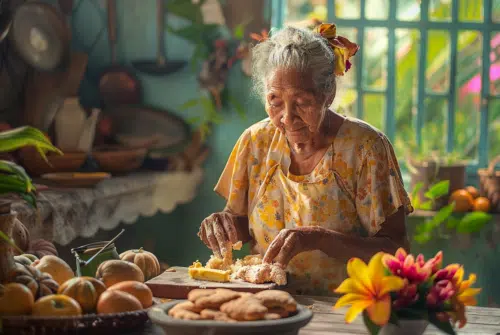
(342,48)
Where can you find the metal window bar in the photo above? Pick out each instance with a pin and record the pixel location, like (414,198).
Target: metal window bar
(423,26)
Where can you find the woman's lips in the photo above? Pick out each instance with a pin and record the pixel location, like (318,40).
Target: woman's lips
(295,130)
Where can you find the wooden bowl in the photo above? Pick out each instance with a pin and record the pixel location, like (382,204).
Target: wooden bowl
(286,326)
(75,180)
(36,166)
(119,160)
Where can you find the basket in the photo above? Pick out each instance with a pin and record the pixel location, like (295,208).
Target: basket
(489,182)
(85,324)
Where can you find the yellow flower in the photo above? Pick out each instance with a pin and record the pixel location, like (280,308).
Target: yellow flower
(368,288)
(342,48)
(465,294)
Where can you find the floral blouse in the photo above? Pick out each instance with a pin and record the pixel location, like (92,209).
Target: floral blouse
(368,188)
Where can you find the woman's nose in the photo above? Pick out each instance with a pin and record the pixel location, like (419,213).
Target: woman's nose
(288,116)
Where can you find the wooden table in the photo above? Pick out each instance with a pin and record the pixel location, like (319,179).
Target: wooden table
(481,321)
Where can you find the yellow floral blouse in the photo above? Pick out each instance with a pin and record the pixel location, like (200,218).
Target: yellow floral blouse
(353,189)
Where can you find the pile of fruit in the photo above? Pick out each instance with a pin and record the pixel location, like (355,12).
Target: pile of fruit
(48,286)
(469,200)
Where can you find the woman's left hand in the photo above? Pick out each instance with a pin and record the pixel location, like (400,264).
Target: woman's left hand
(290,242)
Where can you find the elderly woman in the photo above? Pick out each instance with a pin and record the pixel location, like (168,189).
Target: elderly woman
(309,188)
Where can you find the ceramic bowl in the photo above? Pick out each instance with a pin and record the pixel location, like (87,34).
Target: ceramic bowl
(287,326)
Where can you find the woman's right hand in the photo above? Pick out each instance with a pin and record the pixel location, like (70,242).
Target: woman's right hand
(219,232)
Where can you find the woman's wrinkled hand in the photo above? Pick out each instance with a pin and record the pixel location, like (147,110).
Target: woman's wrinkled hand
(291,242)
(219,232)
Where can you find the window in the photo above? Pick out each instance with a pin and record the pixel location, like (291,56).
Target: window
(427,73)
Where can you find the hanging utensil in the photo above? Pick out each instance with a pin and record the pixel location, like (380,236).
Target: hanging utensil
(117,85)
(41,36)
(161,66)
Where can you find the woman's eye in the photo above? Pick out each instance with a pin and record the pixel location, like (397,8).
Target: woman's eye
(275,103)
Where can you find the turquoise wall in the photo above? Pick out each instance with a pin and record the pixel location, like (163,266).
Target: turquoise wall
(175,233)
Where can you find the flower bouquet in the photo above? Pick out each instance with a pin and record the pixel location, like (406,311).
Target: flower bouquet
(401,293)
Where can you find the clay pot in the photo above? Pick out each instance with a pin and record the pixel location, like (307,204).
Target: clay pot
(7,222)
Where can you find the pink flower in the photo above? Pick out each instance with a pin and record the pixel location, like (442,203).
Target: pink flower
(448,273)
(405,266)
(442,291)
(434,263)
(406,296)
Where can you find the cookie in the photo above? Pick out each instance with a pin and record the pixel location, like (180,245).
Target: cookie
(185,311)
(212,314)
(277,299)
(272,316)
(244,309)
(215,300)
(199,293)
(186,305)
(282,312)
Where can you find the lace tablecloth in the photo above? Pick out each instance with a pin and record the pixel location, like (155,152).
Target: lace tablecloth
(65,214)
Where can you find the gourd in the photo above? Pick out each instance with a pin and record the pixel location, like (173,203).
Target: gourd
(40,248)
(145,260)
(21,236)
(85,290)
(116,271)
(39,283)
(21,259)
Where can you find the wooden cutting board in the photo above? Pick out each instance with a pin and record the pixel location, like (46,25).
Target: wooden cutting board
(175,283)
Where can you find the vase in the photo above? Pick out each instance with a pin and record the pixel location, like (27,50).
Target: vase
(7,222)
(406,327)
(85,252)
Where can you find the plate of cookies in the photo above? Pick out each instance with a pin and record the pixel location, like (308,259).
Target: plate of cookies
(224,311)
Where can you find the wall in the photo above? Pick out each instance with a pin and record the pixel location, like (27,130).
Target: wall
(175,234)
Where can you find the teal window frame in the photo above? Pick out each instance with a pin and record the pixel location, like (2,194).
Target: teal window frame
(487,27)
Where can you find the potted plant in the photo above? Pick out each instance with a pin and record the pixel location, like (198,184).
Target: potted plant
(15,180)
(402,294)
(429,168)
(446,219)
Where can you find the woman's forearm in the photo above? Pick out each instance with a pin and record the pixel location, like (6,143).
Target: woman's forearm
(241,225)
(343,247)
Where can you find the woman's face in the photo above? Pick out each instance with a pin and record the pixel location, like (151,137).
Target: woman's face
(293,106)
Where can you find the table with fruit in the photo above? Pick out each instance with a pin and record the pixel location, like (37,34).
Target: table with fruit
(48,287)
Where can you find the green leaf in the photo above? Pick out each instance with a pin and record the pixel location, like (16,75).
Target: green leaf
(438,190)
(422,238)
(10,241)
(17,138)
(452,222)
(424,227)
(239,31)
(443,214)
(193,120)
(473,222)
(186,10)
(418,186)
(372,328)
(426,206)
(189,104)
(445,327)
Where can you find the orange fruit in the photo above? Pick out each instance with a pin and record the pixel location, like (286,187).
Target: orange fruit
(472,191)
(139,290)
(463,201)
(15,299)
(56,305)
(482,204)
(117,302)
